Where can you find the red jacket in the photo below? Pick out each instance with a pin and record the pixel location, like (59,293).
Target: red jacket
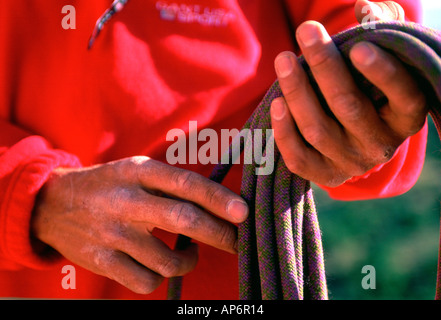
(155,66)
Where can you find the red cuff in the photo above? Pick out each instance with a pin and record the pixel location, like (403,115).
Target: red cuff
(24,169)
(390,179)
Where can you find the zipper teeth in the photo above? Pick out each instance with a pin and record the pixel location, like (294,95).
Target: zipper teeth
(117,6)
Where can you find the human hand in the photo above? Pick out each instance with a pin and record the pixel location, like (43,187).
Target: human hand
(330,151)
(102,219)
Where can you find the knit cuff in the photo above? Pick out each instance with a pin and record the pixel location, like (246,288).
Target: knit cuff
(29,173)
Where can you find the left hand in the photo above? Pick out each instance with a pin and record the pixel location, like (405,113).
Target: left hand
(328,151)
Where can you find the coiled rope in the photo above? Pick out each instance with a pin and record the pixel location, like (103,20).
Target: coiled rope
(280,249)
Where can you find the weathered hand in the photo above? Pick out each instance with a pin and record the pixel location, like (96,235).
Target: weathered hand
(361,137)
(102,218)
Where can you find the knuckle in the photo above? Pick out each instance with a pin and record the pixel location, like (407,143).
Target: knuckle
(348,106)
(118,197)
(359,168)
(294,85)
(145,285)
(316,135)
(171,267)
(121,200)
(182,179)
(321,58)
(136,165)
(359,164)
(416,106)
(335,178)
(226,235)
(380,153)
(355,164)
(139,160)
(213,193)
(115,236)
(334,182)
(297,166)
(282,137)
(104,259)
(183,216)
(293,89)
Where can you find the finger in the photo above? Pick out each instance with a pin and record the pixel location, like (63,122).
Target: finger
(391,11)
(385,10)
(316,127)
(176,216)
(184,218)
(406,111)
(349,105)
(120,267)
(301,159)
(193,187)
(157,256)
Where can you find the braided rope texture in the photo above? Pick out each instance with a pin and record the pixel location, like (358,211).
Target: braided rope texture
(280,247)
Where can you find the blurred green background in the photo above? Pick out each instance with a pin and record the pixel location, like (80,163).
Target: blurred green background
(398,236)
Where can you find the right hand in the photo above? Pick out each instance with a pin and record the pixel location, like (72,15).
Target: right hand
(331,150)
(102,218)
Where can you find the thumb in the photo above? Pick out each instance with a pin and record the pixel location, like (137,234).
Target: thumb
(384,10)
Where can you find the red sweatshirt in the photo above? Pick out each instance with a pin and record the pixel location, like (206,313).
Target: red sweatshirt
(155,66)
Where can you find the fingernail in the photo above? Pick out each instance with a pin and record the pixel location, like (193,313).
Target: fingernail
(309,34)
(284,66)
(238,210)
(364,54)
(278,109)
